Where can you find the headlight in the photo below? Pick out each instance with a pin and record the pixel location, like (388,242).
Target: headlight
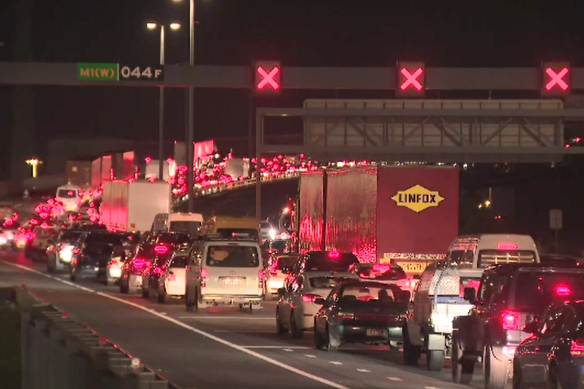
(3,240)
(66,253)
(272,233)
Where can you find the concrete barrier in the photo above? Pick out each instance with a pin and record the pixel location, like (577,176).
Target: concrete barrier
(60,353)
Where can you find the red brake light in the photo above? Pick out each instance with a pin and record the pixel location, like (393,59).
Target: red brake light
(577,348)
(114,262)
(262,274)
(273,268)
(562,290)
(506,246)
(509,320)
(309,298)
(161,249)
(157,270)
(204,273)
(171,276)
(381,268)
(334,254)
(138,263)
(406,283)
(76,250)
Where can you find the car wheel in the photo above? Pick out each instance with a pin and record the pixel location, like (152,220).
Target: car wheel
(411,352)
(435,360)
(124,286)
(517,379)
(152,293)
(332,343)
(162,295)
(145,290)
(294,330)
(280,329)
(189,300)
(462,370)
(109,281)
(319,342)
(72,276)
(494,371)
(50,267)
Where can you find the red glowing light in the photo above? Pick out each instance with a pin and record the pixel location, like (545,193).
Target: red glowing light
(411,79)
(161,249)
(171,276)
(309,298)
(204,273)
(577,348)
(157,270)
(562,290)
(381,268)
(506,246)
(268,78)
(334,254)
(509,320)
(556,79)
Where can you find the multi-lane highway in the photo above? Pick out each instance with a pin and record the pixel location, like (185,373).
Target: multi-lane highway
(220,348)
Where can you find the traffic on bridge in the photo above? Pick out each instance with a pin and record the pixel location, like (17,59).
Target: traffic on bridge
(324,216)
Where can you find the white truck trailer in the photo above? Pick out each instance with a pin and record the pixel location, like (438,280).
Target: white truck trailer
(132,206)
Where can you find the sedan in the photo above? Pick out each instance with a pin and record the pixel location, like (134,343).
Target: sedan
(360,312)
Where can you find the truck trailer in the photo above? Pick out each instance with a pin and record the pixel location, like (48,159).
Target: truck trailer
(133,206)
(387,214)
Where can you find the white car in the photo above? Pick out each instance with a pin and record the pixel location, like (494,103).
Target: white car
(37,248)
(278,272)
(297,309)
(225,272)
(173,282)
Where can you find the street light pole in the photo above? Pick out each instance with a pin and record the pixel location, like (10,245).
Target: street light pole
(191,132)
(161,112)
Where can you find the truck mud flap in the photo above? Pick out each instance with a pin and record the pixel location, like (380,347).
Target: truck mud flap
(436,342)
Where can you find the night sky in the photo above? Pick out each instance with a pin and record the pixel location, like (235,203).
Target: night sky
(299,33)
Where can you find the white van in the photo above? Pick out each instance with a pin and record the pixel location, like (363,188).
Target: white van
(472,253)
(69,196)
(188,223)
(225,272)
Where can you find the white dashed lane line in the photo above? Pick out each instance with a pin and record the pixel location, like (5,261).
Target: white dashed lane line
(394,379)
(363,371)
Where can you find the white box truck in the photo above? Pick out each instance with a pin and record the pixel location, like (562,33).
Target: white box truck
(133,206)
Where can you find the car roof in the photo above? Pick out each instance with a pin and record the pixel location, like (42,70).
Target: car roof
(531,267)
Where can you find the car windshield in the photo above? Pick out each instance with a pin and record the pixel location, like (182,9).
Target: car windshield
(537,290)
(187,227)
(229,232)
(330,261)
(66,193)
(285,262)
(232,256)
(69,235)
(325,282)
(496,257)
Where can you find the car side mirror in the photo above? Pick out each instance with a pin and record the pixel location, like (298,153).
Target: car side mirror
(470,295)
(532,327)
(281,291)
(319,301)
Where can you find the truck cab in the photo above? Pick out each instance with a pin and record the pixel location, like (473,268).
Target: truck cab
(229,225)
(69,196)
(187,223)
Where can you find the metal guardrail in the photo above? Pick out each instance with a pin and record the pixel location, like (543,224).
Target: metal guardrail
(240,184)
(61,353)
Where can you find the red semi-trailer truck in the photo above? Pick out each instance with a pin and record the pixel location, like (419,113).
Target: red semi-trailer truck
(403,215)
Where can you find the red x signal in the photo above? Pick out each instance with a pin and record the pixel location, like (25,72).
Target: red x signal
(411,79)
(267,77)
(556,79)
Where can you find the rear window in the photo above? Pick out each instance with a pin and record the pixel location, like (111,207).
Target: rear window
(330,261)
(325,282)
(69,235)
(187,227)
(535,291)
(179,261)
(172,239)
(382,273)
(104,239)
(496,257)
(67,193)
(285,263)
(232,256)
(364,293)
(228,232)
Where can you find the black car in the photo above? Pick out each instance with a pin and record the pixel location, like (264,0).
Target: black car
(326,261)
(553,356)
(360,312)
(509,297)
(151,276)
(62,248)
(133,269)
(96,251)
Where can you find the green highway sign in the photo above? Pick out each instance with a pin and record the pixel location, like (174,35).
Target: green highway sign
(95,71)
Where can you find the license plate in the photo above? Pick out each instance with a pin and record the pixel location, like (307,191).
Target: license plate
(375,332)
(231,282)
(413,267)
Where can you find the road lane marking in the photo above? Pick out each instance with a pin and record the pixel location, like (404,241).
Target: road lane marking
(394,379)
(431,387)
(190,328)
(278,347)
(309,356)
(363,371)
(287,349)
(336,363)
(226,318)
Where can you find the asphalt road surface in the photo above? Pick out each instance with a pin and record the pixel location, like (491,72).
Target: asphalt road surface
(219,348)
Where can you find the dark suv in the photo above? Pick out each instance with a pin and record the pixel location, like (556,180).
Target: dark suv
(509,297)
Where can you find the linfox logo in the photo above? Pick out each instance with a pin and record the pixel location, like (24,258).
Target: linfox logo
(417,198)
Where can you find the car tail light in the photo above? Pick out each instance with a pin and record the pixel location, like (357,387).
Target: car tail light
(76,250)
(114,262)
(273,268)
(309,298)
(346,316)
(204,275)
(577,348)
(334,254)
(381,268)
(509,320)
(157,270)
(29,236)
(138,263)
(261,278)
(506,246)
(562,290)
(171,276)
(161,249)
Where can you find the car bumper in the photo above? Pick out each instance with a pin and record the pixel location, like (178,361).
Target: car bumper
(114,273)
(232,299)
(367,333)
(274,285)
(88,272)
